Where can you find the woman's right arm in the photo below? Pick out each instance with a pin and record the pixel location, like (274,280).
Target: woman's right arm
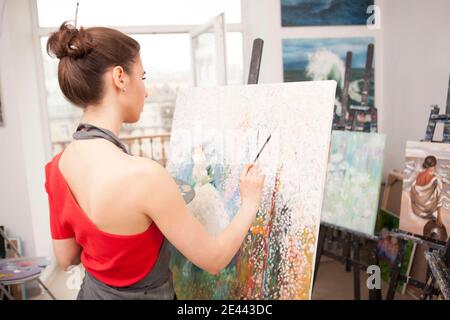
(166,207)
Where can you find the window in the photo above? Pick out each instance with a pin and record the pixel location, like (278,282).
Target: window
(162,29)
(166,59)
(137,12)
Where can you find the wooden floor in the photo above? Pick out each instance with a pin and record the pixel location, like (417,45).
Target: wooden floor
(333,283)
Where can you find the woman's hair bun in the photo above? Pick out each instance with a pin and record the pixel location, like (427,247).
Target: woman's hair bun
(70,42)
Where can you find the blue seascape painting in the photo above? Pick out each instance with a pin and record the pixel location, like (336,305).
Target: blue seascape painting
(324,59)
(324,12)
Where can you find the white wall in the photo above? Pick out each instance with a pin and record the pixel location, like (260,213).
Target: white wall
(417,65)
(23,203)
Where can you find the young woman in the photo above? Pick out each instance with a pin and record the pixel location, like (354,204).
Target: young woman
(113,212)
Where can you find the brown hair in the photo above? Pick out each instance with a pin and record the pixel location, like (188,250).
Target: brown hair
(85,55)
(430,161)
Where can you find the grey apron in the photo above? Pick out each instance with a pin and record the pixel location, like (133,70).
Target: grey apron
(157,284)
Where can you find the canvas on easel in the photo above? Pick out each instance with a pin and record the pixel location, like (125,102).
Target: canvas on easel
(424,197)
(215,132)
(353,180)
(424,215)
(425,208)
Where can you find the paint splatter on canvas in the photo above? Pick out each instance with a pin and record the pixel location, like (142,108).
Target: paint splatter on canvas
(425,208)
(215,132)
(353,180)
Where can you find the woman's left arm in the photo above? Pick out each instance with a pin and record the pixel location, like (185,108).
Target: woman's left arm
(67,252)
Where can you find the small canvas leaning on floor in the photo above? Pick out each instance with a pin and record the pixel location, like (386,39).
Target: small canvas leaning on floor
(215,132)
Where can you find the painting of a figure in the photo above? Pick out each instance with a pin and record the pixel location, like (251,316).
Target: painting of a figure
(324,59)
(325,12)
(353,181)
(426,187)
(217,130)
(388,247)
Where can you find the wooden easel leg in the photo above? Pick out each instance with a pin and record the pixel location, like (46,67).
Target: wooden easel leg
(347,251)
(320,248)
(396,271)
(356,271)
(428,290)
(446,253)
(255,61)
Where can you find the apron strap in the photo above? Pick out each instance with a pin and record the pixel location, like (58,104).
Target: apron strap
(88,131)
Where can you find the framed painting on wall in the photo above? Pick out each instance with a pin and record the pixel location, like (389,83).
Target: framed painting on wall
(325,12)
(309,59)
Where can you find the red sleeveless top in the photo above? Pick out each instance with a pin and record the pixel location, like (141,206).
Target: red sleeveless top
(117,260)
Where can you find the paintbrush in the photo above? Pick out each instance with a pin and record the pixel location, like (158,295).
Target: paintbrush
(264,145)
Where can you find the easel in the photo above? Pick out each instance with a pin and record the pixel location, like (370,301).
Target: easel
(440,273)
(438,252)
(396,276)
(255,62)
(355,111)
(342,123)
(350,240)
(364,108)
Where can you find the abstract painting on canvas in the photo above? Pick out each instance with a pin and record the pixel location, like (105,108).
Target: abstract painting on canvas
(353,181)
(215,132)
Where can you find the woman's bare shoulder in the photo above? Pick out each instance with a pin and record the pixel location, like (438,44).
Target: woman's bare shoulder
(144,165)
(144,171)
(150,183)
